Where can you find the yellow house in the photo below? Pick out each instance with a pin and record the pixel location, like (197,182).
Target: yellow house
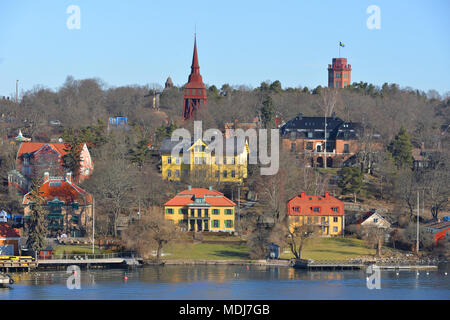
(197,160)
(325,213)
(200,209)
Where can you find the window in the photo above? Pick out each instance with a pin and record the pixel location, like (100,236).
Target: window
(335,229)
(169,160)
(177,173)
(183,211)
(206,213)
(345,75)
(196,160)
(217,173)
(215,211)
(316,219)
(216,224)
(169,210)
(335,219)
(316,209)
(199,213)
(293,145)
(346,150)
(375,220)
(309,145)
(228,223)
(169,173)
(310,134)
(177,160)
(335,209)
(228,211)
(192,212)
(233,173)
(224,173)
(296,209)
(309,220)
(231,161)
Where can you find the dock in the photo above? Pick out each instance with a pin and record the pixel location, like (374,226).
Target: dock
(88,261)
(331,265)
(17,264)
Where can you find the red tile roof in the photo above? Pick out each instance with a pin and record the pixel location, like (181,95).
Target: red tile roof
(66,191)
(212,197)
(7,232)
(307,202)
(30,147)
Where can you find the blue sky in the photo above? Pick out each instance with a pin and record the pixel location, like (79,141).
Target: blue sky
(239,42)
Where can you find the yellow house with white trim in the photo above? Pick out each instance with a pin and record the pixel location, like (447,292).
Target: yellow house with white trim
(196,159)
(200,209)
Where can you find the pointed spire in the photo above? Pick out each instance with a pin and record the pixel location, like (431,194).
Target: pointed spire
(195,67)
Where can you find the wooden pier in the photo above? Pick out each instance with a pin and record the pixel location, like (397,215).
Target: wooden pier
(87,261)
(331,265)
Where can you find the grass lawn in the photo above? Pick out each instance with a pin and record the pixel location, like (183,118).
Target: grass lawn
(332,249)
(206,251)
(317,249)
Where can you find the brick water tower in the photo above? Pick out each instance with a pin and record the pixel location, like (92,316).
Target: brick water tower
(339,73)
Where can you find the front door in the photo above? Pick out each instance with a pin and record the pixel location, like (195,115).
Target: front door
(199,225)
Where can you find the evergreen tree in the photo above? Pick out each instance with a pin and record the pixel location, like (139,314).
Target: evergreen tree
(73,146)
(352,181)
(36,224)
(400,149)
(138,154)
(267,112)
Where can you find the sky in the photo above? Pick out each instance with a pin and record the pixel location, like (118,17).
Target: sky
(239,42)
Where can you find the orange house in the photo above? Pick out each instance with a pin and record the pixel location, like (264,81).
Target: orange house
(326,213)
(9,240)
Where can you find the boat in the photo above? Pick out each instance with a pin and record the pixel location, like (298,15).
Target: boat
(5,280)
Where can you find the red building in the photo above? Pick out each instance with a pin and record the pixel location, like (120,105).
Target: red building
(194,90)
(326,213)
(439,229)
(35,158)
(339,73)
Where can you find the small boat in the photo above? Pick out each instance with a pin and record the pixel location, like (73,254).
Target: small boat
(5,280)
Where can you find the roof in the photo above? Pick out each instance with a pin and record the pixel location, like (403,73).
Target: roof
(336,127)
(168,145)
(7,232)
(438,225)
(309,201)
(31,147)
(63,190)
(208,198)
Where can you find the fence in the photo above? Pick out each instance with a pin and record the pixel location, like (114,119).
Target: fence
(88,256)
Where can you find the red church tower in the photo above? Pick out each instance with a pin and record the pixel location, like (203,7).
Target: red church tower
(194,90)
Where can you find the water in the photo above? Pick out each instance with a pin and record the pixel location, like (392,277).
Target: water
(228,283)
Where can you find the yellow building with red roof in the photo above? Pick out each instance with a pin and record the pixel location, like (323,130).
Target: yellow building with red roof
(200,209)
(325,213)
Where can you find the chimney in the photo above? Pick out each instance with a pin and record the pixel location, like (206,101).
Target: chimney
(189,187)
(327,195)
(210,188)
(422,145)
(69,177)
(46,176)
(302,195)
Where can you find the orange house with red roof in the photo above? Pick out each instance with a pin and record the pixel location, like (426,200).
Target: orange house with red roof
(326,213)
(35,158)
(201,209)
(9,240)
(69,207)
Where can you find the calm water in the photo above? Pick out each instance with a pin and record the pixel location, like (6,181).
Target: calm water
(229,282)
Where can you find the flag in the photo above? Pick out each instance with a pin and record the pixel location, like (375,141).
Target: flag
(341,44)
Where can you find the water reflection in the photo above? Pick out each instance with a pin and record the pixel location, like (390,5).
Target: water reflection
(228,282)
